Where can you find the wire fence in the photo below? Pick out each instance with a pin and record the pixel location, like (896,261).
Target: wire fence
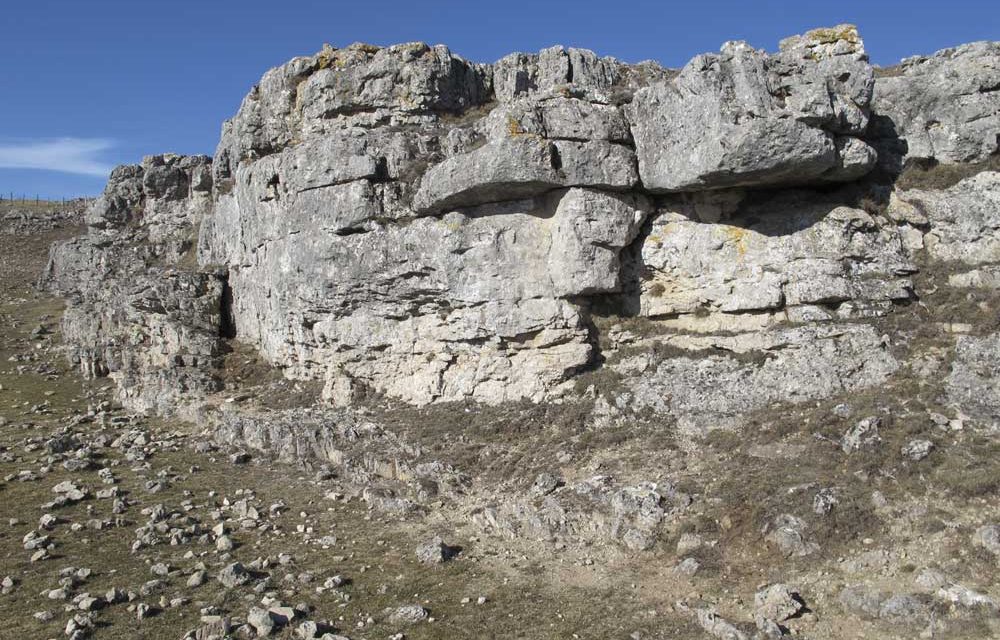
(14,199)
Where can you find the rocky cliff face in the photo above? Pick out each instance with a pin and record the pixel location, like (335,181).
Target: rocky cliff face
(401,223)
(138,306)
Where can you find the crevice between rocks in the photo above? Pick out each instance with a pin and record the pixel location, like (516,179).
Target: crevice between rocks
(227,319)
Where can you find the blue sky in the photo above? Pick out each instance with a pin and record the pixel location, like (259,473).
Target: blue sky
(87,84)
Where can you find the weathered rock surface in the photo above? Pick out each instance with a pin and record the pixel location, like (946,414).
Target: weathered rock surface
(796,255)
(502,329)
(730,375)
(972,383)
(963,221)
(138,307)
(945,106)
(400,222)
(743,117)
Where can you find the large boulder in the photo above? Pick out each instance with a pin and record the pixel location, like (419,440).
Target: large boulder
(743,117)
(360,85)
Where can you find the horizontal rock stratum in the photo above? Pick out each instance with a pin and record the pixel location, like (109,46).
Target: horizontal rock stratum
(400,222)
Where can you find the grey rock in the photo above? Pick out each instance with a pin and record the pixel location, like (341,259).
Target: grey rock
(743,117)
(114,595)
(944,106)
(687,567)
(964,220)
(282,615)
(778,602)
(818,362)
(224,543)
(931,579)
(398,221)
(523,166)
(539,334)
(689,542)
(768,628)
(89,603)
(862,600)
(358,85)
(80,625)
(307,630)
(212,627)
(234,575)
(717,626)
(824,501)
(965,597)
(521,75)
(863,434)
(788,534)
(988,537)
(917,450)
(972,382)
(407,614)
(905,609)
(714,254)
(435,551)
(261,620)
(545,483)
(126,287)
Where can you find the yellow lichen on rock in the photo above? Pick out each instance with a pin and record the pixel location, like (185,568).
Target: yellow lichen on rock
(326,56)
(825,42)
(737,236)
(514,127)
(829,35)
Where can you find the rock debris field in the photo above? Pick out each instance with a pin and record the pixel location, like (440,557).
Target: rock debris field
(555,347)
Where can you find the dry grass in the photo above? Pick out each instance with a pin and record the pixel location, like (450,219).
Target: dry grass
(934,175)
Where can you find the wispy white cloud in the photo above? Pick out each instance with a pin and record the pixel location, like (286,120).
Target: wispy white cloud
(69,155)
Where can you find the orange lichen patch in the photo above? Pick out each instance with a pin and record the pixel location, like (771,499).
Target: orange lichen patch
(738,237)
(514,127)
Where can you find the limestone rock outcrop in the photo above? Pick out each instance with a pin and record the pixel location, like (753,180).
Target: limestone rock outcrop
(400,222)
(138,308)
